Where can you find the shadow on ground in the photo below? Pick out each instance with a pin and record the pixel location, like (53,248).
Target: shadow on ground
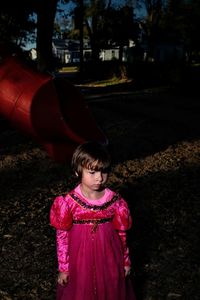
(154,140)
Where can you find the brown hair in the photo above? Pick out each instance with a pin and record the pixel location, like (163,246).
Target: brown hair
(90,155)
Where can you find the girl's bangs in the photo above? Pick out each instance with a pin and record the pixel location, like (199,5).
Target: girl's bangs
(98,166)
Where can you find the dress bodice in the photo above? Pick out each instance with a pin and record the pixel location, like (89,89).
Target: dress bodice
(74,206)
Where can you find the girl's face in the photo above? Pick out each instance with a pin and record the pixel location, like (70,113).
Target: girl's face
(93,180)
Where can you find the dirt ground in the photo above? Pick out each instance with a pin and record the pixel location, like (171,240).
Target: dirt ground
(155,143)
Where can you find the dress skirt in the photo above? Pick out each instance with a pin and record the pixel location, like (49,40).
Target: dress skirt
(96,269)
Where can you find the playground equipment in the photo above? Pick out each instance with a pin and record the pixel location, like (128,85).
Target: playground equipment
(50,110)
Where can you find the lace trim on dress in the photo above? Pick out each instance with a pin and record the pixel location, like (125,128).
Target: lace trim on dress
(94,222)
(93,207)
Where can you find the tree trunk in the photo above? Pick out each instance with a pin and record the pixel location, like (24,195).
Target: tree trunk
(45,25)
(81,36)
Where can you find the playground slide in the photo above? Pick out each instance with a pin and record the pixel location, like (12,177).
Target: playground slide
(50,110)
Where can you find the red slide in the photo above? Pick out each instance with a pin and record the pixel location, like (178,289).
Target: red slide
(51,110)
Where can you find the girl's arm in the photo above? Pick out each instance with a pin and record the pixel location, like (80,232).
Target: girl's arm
(61,219)
(127,262)
(122,221)
(62,255)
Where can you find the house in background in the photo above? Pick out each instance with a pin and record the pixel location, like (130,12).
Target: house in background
(109,54)
(68,51)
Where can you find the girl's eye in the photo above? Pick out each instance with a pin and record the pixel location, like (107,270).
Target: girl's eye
(91,172)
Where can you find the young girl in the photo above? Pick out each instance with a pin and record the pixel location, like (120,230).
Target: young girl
(91,223)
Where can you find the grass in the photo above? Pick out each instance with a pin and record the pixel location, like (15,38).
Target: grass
(69,69)
(96,83)
(106,82)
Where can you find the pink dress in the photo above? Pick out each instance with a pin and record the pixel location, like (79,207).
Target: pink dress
(91,246)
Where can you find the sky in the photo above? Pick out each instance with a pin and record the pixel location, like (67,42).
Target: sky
(70,5)
(117,3)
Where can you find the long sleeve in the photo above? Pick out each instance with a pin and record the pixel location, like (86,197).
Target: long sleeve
(61,219)
(122,221)
(127,261)
(62,250)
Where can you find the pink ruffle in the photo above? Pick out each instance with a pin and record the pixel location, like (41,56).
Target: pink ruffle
(60,215)
(122,219)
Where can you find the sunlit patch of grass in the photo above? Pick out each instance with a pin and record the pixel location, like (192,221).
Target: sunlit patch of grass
(69,69)
(107,82)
